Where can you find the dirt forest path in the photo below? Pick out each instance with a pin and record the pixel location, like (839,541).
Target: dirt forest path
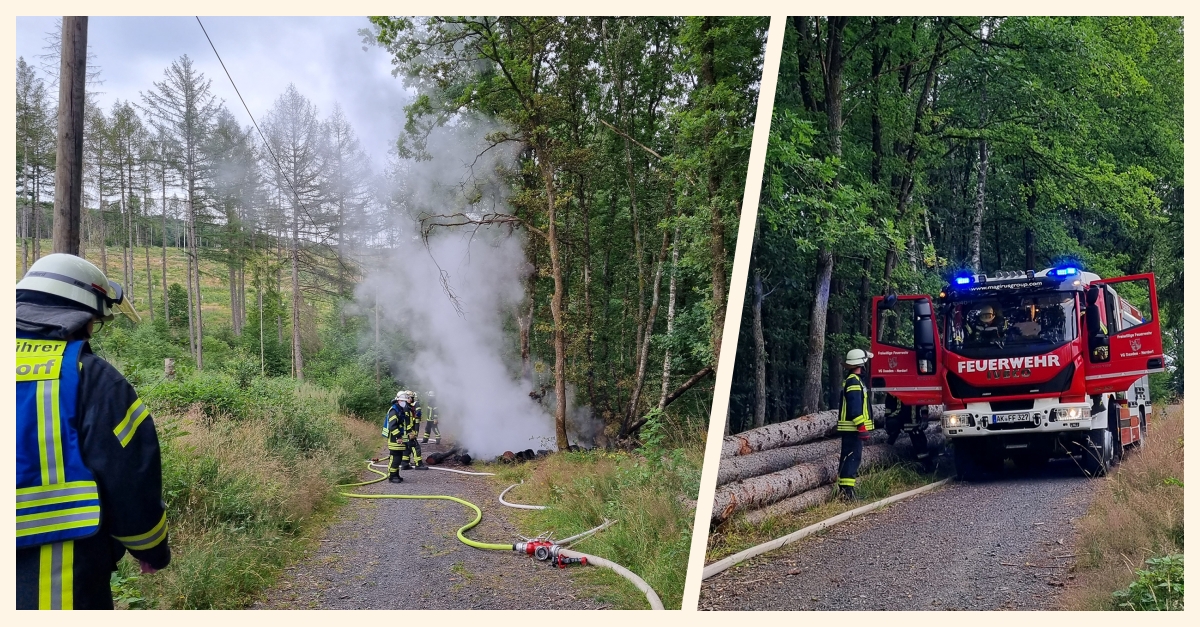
(403,554)
(1000,544)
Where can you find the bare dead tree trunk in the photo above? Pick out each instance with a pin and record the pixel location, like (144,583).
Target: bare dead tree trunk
(376,331)
(149,276)
(297,357)
(166,300)
(196,269)
(68,176)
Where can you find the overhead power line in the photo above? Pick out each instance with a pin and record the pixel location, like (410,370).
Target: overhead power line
(266,143)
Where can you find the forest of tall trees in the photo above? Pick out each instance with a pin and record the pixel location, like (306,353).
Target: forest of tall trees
(632,138)
(905,149)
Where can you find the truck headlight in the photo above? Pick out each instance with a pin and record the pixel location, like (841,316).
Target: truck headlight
(1064,414)
(957,420)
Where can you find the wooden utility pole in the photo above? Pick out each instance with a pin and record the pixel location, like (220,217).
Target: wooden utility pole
(68,169)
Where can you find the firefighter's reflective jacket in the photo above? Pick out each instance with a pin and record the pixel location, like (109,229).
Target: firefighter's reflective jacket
(399,420)
(89,477)
(855,409)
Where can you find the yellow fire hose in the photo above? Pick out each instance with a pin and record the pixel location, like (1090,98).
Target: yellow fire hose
(428,497)
(651,597)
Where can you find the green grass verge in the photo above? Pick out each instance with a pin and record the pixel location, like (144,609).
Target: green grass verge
(649,493)
(248,476)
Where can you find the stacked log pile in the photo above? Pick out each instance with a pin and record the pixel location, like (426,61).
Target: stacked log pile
(789,466)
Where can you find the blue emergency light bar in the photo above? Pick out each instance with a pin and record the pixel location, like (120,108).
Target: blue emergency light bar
(962,280)
(1067,271)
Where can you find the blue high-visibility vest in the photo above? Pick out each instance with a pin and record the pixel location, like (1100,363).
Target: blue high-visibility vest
(57,497)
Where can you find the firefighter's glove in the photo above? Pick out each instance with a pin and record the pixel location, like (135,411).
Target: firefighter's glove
(412,435)
(862,432)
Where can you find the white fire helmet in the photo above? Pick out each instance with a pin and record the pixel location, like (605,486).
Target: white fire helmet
(76,279)
(858,357)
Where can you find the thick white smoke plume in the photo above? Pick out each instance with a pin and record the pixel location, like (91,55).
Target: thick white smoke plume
(461,351)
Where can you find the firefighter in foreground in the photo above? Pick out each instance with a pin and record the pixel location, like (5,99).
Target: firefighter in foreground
(900,417)
(397,418)
(854,422)
(431,421)
(88,468)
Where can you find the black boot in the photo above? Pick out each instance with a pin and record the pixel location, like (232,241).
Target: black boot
(395,478)
(846,493)
(422,466)
(405,466)
(424,440)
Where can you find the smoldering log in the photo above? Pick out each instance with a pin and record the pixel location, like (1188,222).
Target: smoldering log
(822,424)
(758,492)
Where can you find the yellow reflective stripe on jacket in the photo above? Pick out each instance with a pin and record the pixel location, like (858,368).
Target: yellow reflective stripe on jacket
(134,416)
(58,520)
(39,360)
(49,443)
(147,540)
(853,383)
(42,495)
(56,576)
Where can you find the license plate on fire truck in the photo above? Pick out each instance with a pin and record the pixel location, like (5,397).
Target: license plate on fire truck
(999,418)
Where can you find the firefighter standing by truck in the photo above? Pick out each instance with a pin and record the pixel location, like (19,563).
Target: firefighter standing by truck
(431,421)
(88,466)
(900,417)
(854,422)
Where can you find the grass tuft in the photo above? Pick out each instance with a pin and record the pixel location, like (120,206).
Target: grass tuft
(1136,516)
(244,493)
(650,494)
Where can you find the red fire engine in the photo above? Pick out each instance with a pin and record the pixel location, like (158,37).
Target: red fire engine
(1028,365)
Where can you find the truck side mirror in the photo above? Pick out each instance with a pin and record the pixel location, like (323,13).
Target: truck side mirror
(923,324)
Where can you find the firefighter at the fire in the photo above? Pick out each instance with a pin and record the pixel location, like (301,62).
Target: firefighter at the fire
(88,468)
(397,418)
(854,421)
(900,417)
(412,450)
(431,421)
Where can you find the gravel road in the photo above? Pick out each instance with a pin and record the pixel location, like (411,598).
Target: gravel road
(967,546)
(403,554)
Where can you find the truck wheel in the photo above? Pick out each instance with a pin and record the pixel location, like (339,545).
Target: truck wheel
(965,461)
(1098,453)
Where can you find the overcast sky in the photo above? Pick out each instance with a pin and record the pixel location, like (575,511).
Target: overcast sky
(324,57)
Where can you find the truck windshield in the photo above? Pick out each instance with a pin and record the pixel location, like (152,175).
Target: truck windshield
(999,325)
